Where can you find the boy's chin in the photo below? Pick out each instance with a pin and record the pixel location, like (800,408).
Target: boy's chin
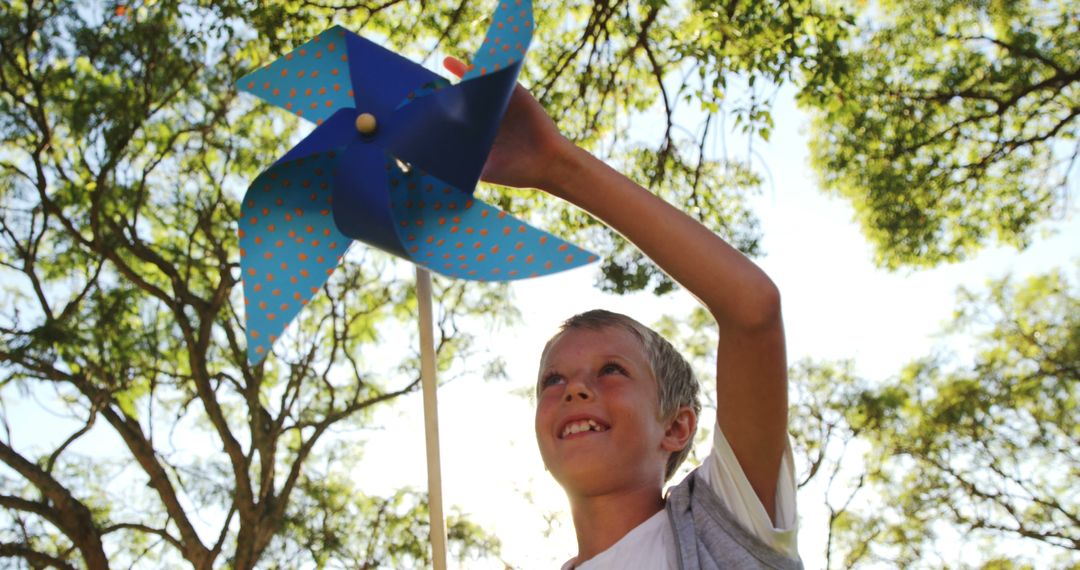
(590,479)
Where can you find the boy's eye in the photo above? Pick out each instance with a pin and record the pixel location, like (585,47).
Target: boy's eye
(612,368)
(550,380)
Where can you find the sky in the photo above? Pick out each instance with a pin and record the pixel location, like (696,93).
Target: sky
(837,305)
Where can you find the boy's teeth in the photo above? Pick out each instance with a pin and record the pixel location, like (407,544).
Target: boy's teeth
(580,426)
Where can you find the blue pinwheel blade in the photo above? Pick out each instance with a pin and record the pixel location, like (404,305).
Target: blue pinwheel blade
(508,37)
(289,245)
(382,78)
(335,70)
(449,132)
(311,81)
(361,199)
(336,133)
(454,234)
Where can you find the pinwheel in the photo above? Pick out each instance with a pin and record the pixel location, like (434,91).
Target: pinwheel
(393,162)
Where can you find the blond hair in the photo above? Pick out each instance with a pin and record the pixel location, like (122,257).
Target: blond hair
(676,384)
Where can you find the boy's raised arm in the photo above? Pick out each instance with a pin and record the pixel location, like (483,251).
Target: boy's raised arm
(751,377)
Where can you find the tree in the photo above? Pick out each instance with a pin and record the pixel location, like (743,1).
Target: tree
(951,125)
(124,151)
(979,453)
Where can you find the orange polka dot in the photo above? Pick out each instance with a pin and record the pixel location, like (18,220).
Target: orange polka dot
(258,286)
(268,255)
(510,258)
(569,259)
(529,259)
(270,316)
(519,245)
(302,257)
(252,272)
(262,305)
(547,265)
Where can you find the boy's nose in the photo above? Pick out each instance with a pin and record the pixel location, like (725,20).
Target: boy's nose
(577,389)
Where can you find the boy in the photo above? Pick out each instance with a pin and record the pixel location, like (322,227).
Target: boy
(604,379)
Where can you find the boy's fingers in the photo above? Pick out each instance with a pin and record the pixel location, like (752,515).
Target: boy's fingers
(454,65)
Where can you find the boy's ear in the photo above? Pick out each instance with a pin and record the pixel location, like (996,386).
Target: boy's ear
(680,429)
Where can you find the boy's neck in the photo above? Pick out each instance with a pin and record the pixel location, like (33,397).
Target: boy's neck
(601,521)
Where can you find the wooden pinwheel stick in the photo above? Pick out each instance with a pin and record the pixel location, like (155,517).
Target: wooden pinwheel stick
(431,418)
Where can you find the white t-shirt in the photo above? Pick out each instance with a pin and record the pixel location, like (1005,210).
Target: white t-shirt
(651,544)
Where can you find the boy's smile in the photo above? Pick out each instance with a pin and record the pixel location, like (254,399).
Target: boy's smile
(597,415)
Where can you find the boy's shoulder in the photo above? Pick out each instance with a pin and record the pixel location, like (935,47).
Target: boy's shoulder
(708,535)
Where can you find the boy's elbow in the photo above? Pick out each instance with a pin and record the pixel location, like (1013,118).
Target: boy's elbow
(765,310)
(757,309)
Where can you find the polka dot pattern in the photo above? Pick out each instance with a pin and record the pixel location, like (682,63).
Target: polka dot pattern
(289,245)
(311,81)
(507,39)
(289,241)
(454,234)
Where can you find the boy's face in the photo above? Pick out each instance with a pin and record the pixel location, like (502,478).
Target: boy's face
(596,416)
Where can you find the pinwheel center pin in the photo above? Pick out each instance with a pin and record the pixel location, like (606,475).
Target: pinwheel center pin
(366,124)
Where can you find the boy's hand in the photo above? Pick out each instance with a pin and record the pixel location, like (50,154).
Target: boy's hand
(527,147)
